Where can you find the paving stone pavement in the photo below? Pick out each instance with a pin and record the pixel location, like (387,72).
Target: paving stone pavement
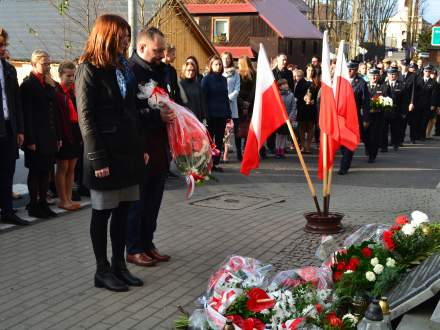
(46,270)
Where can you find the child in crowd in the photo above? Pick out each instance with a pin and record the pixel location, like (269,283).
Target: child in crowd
(290,105)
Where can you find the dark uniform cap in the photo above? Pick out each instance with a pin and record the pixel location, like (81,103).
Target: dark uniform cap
(392,70)
(413,66)
(404,62)
(428,67)
(374,72)
(352,65)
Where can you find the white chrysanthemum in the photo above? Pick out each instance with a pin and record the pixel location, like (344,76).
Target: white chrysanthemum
(370,276)
(265,311)
(374,261)
(350,317)
(391,263)
(408,229)
(378,269)
(418,218)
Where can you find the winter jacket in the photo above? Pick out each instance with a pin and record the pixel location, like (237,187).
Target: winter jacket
(233,79)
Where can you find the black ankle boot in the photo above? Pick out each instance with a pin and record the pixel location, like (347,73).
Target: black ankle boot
(46,209)
(104,278)
(119,269)
(35,210)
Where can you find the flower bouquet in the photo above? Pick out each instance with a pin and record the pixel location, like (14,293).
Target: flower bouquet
(373,267)
(295,299)
(381,103)
(191,146)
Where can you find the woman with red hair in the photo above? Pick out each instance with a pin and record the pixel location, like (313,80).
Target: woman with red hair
(113,162)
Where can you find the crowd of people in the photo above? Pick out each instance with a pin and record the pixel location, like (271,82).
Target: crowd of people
(99,134)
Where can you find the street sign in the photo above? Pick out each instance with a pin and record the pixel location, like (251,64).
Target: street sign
(435,38)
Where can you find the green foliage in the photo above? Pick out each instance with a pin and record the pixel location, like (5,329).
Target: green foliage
(424,40)
(182,322)
(63,7)
(239,307)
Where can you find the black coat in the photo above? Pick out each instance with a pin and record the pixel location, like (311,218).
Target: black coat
(156,136)
(300,91)
(40,112)
(409,89)
(284,74)
(13,100)
(195,98)
(377,90)
(424,99)
(362,98)
(398,95)
(110,128)
(247,94)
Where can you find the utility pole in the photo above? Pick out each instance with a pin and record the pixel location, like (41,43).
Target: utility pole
(354,30)
(132,20)
(409,5)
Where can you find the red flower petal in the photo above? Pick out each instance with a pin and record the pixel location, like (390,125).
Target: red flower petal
(402,220)
(251,324)
(367,252)
(259,300)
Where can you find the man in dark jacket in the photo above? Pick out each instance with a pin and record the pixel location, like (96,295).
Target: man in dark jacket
(374,118)
(362,98)
(142,221)
(395,90)
(11,132)
(407,78)
(425,104)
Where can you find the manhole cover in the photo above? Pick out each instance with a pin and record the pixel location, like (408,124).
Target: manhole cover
(231,202)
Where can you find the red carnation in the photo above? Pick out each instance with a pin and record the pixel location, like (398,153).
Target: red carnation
(334,320)
(353,263)
(401,220)
(340,265)
(367,252)
(318,308)
(388,240)
(337,276)
(395,228)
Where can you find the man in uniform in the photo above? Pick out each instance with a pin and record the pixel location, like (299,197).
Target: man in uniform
(362,98)
(407,79)
(393,89)
(425,104)
(374,118)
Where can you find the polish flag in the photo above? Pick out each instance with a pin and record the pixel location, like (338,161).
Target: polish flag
(328,116)
(268,113)
(349,135)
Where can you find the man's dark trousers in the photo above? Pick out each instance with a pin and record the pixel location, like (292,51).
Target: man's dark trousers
(142,216)
(8,150)
(347,158)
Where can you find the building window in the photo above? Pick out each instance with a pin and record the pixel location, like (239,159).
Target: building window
(315,47)
(220,30)
(303,44)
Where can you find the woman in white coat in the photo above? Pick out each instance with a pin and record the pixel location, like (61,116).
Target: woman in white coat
(233,78)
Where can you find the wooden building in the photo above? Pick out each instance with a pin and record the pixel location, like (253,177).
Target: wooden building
(182,31)
(239,26)
(38,24)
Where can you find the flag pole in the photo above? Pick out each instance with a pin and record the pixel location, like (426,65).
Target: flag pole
(303,165)
(329,186)
(325,172)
